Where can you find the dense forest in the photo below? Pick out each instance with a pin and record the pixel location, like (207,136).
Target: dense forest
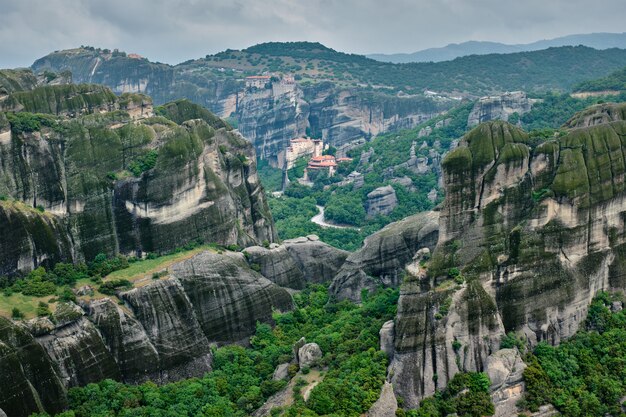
(615,81)
(550,69)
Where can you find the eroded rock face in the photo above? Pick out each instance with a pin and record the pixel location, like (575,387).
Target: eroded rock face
(505,369)
(227,297)
(384,255)
(29,382)
(163,332)
(536,231)
(499,107)
(297,261)
(381,201)
(318,261)
(195,180)
(386,405)
(277,265)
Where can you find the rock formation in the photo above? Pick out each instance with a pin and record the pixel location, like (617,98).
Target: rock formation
(499,107)
(309,354)
(381,201)
(162,332)
(535,229)
(297,262)
(107,177)
(268,117)
(384,255)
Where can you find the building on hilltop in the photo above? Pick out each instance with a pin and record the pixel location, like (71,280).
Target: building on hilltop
(288,79)
(134,56)
(301,147)
(257,81)
(322,162)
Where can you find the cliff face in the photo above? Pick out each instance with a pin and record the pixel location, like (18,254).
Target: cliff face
(384,255)
(269,118)
(536,229)
(297,261)
(162,332)
(121,180)
(499,107)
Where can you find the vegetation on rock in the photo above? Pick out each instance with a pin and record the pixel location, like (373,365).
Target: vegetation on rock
(241,380)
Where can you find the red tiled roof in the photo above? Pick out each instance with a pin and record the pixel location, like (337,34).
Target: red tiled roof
(323,158)
(258,77)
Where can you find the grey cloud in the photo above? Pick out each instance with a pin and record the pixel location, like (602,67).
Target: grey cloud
(176,30)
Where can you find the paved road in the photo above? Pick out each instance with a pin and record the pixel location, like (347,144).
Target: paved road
(319,219)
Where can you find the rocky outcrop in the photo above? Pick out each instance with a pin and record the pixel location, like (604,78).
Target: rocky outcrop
(384,255)
(106,184)
(535,230)
(29,382)
(387,335)
(381,201)
(309,354)
(162,332)
(386,405)
(598,114)
(277,265)
(297,262)
(318,261)
(499,107)
(505,369)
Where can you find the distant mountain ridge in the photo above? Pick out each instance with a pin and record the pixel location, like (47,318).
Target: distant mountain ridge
(456,50)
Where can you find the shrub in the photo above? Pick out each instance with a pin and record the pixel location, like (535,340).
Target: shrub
(111,287)
(16,313)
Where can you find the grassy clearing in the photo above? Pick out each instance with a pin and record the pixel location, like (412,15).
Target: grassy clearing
(139,270)
(26,304)
(139,273)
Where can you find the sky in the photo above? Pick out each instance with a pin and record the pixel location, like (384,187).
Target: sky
(173,31)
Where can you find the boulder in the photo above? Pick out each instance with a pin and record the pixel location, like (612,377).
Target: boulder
(309,354)
(281,372)
(381,201)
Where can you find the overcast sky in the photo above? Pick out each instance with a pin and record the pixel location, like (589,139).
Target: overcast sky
(176,30)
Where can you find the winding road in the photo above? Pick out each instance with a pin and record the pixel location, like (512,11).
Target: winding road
(319,219)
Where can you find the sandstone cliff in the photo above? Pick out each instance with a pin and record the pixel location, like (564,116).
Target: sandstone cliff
(499,107)
(161,331)
(269,117)
(536,229)
(108,177)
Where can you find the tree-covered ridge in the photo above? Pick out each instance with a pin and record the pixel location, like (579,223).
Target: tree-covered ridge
(615,81)
(551,69)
